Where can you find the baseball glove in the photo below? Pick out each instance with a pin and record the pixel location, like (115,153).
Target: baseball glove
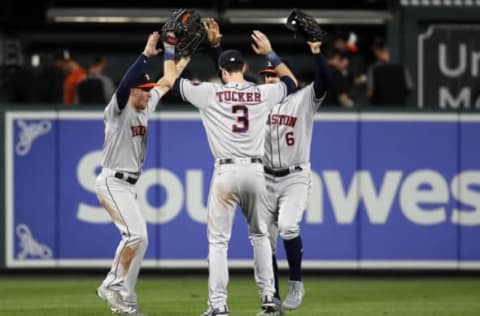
(298,21)
(188,32)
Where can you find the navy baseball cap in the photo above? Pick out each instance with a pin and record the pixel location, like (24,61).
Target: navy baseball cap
(231,56)
(269,69)
(143,82)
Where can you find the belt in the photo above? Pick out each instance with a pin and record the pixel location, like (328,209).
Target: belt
(282,172)
(225,161)
(126,177)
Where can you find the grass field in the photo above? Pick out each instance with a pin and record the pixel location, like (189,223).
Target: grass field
(69,296)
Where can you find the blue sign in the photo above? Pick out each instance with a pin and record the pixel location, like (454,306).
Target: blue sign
(388,191)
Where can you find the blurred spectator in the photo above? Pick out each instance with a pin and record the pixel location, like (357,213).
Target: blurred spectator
(75,73)
(389,83)
(95,88)
(348,43)
(49,82)
(339,87)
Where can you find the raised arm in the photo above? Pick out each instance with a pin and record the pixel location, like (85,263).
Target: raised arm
(214,38)
(138,66)
(262,46)
(170,72)
(322,74)
(180,65)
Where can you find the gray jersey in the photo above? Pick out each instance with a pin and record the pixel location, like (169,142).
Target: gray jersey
(126,132)
(289,129)
(234,114)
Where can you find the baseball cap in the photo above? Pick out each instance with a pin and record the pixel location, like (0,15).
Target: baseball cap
(143,82)
(231,56)
(269,69)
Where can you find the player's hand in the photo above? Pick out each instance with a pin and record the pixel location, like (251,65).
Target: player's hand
(213,32)
(315,47)
(151,46)
(261,44)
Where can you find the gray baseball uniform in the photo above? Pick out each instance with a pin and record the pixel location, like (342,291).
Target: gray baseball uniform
(287,156)
(234,118)
(123,155)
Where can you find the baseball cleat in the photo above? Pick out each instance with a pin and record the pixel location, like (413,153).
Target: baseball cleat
(220,311)
(133,311)
(269,307)
(278,304)
(295,295)
(112,298)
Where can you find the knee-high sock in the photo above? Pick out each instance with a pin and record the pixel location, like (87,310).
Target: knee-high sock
(294,250)
(275,275)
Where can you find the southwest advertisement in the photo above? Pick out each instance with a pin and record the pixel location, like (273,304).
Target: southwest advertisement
(394,190)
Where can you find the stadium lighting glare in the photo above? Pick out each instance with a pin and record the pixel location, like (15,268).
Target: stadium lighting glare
(234,16)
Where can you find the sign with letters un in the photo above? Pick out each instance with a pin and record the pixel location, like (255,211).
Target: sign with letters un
(388,191)
(449,67)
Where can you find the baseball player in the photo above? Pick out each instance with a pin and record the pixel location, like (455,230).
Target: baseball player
(234,116)
(287,169)
(126,130)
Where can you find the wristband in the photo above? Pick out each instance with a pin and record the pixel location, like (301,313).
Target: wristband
(274,59)
(169,53)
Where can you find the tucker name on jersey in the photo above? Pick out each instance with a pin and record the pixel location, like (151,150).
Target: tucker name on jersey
(238,96)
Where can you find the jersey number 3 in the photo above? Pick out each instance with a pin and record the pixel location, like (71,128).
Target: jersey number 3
(241,125)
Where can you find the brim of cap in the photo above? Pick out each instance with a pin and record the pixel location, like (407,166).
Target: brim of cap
(147,85)
(268,71)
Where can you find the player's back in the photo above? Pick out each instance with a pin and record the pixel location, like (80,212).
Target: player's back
(234,115)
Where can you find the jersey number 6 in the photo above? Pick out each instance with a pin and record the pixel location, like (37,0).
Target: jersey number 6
(290,138)
(242,118)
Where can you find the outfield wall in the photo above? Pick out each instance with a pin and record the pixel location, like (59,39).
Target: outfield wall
(389,190)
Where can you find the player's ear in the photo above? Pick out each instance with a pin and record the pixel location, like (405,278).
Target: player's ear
(223,73)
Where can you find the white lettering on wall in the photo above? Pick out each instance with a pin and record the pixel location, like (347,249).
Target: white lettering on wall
(414,197)
(174,195)
(461,187)
(446,99)
(461,65)
(422,195)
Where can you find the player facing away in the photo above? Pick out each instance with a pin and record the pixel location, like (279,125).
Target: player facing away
(234,115)
(287,168)
(126,129)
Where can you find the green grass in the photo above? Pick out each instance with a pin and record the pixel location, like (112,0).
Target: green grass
(187,296)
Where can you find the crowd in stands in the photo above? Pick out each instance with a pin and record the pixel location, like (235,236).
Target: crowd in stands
(61,80)
(358,78)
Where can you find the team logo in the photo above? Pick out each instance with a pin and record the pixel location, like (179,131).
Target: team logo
(29,246)
(28,133)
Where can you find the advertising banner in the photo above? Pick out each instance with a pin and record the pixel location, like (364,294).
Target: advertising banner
(449,67)
(388,191)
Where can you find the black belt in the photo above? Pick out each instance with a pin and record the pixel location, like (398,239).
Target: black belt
(281,172)
(231,160)
(126,177)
